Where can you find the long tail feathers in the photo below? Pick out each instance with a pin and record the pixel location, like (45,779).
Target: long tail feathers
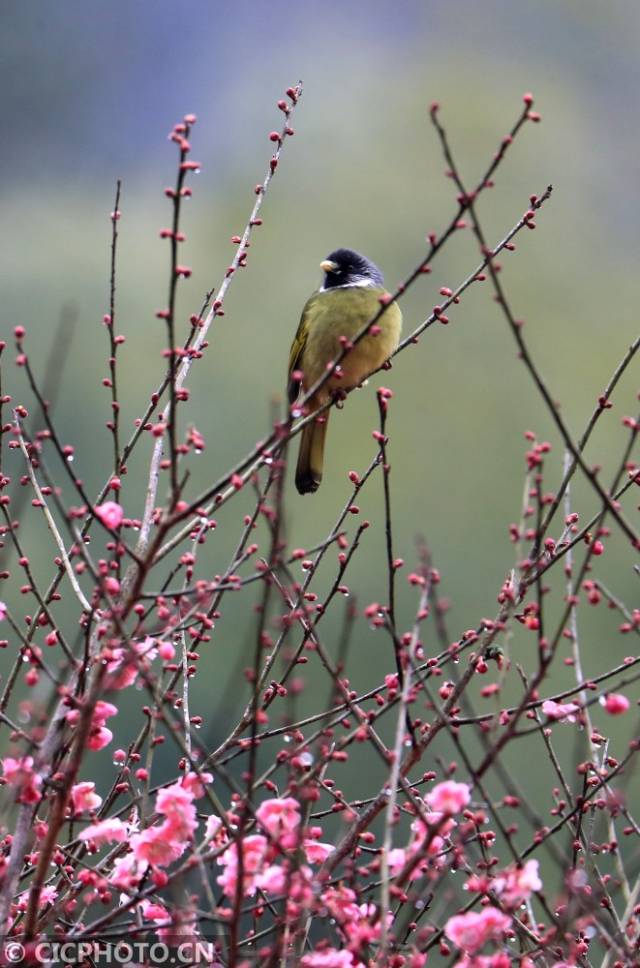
(311,456)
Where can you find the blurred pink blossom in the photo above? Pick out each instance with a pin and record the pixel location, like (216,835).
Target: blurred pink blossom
(110,513)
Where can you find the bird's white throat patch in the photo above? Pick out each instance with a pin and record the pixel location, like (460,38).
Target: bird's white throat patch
(361,284)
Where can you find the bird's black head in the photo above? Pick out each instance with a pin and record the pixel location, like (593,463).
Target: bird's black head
(344,267)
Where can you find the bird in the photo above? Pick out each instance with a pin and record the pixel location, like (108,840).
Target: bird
(351,294)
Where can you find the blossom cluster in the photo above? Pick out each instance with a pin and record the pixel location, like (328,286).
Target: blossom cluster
(384,824)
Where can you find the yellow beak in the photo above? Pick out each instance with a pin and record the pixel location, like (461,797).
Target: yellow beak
(328,265)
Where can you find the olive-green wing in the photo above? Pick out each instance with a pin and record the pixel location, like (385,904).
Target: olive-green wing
(296,352)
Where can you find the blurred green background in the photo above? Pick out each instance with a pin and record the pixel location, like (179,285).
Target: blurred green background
(90,92)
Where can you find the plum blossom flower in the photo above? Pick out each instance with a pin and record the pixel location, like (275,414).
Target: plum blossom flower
(418,959)
(84,797)
(102,712)
(472,930)
(127,872)
(110,513)
(329,958)
(427,842)
(99,738)
(155,912)
(516,884)
(280,816)
(396,860)
(615,703)
(111,585)
(422,828)
(163,843)
(195,783)
(176,803)
(341,903)
(212,826)
(153,846)
(449,797)
(21,774)
(316,852)
(272,879)
(366,927)
(99,735)
(3,611)
(48,894)
(563,712)
(125,664)
(499,960)
(254,850)
(166,651)
(107,831)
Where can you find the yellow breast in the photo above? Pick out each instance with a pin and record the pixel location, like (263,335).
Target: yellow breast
(340,313)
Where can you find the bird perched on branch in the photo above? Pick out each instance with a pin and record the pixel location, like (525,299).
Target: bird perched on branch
(351,295)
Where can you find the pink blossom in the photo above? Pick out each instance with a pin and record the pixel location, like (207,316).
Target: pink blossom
(301,892)
(366,927)
(422,828)
(155,912)
(396,860)
(48,894)
(21,774)
(176,803)
(84,797)
(516,884)
(341,903)
(315,852)
(110,513)
(329,958)
(3,611)
(111,585)
(499,960)
(212,826)
(254,849)
(449,797)
(272,879)
(426,843)
(163,843)
(615,703)
(183,925)
(195,783)
(154,847)
(107,831)
(126,872)
(166,651)
(472,930)
(103,711)
(99,738)
(563,712)
(126,663)
(123,673)
(171,925)
(417,960)
(279,815)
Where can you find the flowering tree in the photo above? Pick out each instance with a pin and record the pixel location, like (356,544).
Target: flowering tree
(433,866)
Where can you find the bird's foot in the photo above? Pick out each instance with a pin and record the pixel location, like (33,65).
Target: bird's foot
(339,396)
